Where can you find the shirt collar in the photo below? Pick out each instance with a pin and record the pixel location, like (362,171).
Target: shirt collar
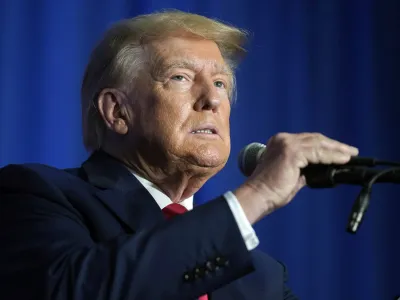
(162,199)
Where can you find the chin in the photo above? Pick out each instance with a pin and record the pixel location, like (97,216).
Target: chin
(210,157)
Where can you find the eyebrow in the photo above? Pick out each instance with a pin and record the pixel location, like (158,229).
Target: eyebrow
(183,63)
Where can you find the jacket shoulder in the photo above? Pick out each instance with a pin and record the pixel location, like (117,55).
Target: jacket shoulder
(33,179)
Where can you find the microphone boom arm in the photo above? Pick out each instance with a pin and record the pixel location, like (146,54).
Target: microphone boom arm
(321,176)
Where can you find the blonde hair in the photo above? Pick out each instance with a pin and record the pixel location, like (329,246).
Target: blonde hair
(116,60)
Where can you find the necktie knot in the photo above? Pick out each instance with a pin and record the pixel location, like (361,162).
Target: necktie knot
(173,209)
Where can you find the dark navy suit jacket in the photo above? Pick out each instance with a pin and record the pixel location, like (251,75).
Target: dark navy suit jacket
(95,233)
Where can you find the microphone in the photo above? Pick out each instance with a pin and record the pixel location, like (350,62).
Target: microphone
(355,172)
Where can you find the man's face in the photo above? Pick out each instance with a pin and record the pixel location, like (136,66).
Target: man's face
(181,110)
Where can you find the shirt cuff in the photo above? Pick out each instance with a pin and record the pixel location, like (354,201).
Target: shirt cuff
(249,235)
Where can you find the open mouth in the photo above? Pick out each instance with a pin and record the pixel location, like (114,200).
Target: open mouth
(204,131)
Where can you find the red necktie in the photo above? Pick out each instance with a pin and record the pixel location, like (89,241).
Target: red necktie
(172,210)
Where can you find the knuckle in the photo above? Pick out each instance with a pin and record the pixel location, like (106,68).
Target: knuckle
(319,136)
(279,140)
(287,145)
(284,138)
(317,154)
(290,150)
(281,136)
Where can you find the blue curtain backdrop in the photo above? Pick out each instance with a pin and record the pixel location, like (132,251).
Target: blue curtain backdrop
(329,66)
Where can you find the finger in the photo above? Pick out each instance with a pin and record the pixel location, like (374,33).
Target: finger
(320,140)
(319,155)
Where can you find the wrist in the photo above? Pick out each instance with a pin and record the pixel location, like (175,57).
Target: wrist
(255,203)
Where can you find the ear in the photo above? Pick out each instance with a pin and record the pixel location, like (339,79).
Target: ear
(111,104)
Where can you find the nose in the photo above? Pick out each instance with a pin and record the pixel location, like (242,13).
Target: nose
(208,97)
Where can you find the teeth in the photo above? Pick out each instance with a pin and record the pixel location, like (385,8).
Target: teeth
(203,131)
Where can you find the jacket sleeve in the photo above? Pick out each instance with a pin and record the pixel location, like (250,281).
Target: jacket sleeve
(287,292)
(47,251)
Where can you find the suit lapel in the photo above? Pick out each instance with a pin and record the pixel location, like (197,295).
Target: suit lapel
(121,192)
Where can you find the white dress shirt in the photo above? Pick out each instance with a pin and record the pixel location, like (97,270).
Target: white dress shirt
(249,235)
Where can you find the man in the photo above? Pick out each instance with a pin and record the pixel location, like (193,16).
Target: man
(156,100)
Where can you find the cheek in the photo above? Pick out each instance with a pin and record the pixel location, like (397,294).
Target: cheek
(172,113)
(226,113)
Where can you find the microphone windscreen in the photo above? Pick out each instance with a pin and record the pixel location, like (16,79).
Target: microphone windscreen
(249,157)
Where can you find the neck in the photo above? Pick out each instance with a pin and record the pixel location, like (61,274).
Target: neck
(178,180)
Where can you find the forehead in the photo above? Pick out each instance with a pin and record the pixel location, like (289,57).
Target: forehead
(190,52)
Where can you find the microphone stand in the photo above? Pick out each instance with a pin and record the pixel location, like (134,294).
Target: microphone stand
(319,176)
(361,203)
(359,171)
(368,176)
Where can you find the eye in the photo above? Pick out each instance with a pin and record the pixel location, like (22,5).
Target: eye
(178,78)
(219,84)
